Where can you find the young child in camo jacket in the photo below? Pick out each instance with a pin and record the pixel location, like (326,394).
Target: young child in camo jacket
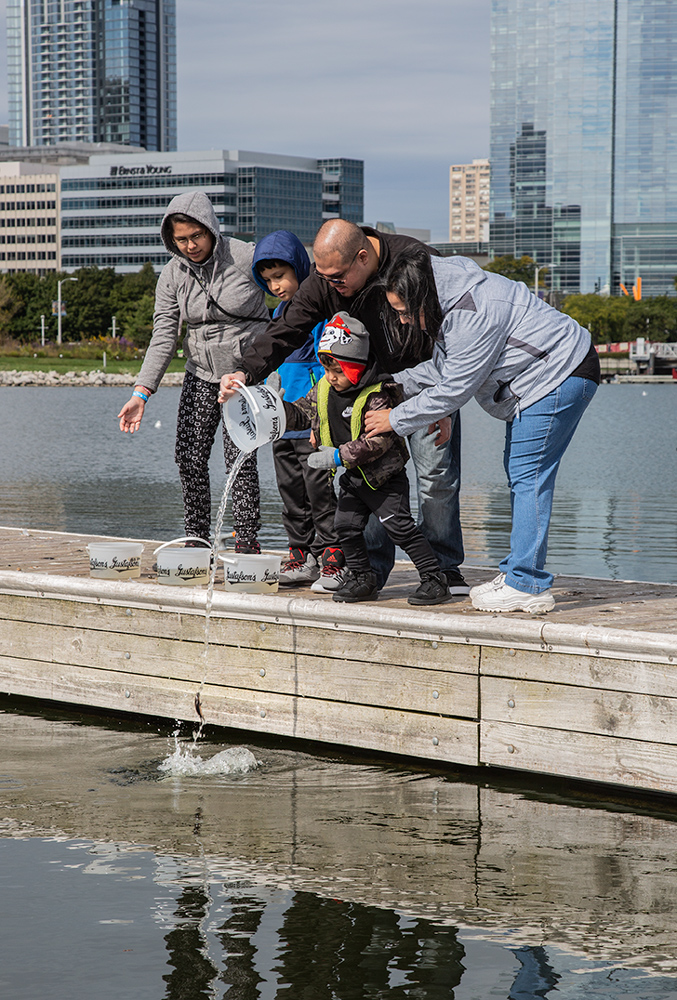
(374,480)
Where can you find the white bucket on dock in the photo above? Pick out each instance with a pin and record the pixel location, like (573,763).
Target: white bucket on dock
(251,574)
(183,567)
(254,416)
(115,560)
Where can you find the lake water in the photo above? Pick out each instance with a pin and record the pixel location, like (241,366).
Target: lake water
(65,466)
(315,875)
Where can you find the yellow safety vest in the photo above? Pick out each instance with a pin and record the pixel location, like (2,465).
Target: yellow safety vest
(323,388)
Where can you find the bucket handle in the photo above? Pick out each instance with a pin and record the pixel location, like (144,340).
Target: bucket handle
(186,538)
(249,396)
(228,560)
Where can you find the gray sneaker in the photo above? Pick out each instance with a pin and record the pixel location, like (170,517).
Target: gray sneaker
(300,569)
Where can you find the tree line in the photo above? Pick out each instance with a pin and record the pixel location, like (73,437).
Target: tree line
(98,294)
(90,302)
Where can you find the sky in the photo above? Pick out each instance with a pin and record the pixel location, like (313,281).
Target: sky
(400,84)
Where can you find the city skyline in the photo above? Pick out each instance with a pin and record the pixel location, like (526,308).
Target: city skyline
(408,94)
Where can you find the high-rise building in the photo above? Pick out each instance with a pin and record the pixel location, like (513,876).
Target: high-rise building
(92,71)
(469,202)
(584,140)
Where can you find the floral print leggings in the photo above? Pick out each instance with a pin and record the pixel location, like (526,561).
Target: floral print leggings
(198,421)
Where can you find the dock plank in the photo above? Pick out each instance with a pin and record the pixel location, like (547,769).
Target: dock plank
(628,762)
(563,706)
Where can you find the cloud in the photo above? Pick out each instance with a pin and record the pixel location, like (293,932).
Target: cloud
(403,85)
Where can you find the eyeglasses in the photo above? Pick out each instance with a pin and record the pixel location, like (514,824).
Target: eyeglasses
(183,241)
(338,279)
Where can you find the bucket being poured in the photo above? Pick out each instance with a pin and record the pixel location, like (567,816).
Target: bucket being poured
(115,560)
(183,567)
(253,416)
(251,574)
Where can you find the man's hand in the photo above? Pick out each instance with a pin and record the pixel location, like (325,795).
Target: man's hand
(323,458)
(131,414)
(228,386)
(444,427)
(377,422)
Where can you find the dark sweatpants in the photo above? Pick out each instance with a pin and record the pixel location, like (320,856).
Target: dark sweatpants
(390,503)
(197,423)
(309,501)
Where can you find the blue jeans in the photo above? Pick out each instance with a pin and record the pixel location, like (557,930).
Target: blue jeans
(438,481)
(535,442)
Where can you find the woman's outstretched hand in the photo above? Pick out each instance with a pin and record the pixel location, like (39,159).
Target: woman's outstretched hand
(228,385)
(377,422)
(131,414)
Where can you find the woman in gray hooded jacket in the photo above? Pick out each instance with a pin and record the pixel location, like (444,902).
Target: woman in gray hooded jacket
(209,284)
(525,363)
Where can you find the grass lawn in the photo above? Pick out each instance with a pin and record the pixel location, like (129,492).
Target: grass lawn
(63,365)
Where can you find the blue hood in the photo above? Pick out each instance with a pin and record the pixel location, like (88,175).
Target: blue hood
(281,245)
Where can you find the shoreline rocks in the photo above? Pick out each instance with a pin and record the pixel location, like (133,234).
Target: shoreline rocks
(94,378)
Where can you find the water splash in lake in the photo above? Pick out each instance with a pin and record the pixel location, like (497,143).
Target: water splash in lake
(184,761)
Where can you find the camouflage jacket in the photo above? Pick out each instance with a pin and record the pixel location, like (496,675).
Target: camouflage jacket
(377,458)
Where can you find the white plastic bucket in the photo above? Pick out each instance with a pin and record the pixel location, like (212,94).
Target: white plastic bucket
(254,416)
(255,574)
(115,560)
(183,567)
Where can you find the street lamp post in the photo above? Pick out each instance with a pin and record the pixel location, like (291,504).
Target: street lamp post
(58,308)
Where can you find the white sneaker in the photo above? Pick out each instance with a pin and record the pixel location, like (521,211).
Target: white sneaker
(482,588)
(329,580)
(505,598)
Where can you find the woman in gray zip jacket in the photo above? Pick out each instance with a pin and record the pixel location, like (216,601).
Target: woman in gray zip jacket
(526,364)
(209,284)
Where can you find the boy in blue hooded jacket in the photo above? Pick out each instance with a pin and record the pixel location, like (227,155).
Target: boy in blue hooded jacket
(279,266)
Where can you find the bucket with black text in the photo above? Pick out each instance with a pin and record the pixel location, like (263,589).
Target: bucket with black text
(253,416)
(251,574)
(115,560)
(182,566)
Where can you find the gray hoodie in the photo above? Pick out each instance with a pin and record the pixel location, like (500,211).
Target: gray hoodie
(498,342)
(187,291)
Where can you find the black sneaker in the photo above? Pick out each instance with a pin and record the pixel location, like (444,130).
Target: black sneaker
(432,590)
(247,547)
(357,587)
(457,585)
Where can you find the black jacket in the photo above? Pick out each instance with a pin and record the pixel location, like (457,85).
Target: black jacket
(317,300)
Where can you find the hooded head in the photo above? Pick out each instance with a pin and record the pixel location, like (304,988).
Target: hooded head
(346,340)
(196,207)
(280,247)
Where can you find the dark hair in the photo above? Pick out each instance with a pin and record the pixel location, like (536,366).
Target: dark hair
(263,265)
(184,220)
(410,276)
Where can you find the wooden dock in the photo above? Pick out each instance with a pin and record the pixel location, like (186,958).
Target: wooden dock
(587,692)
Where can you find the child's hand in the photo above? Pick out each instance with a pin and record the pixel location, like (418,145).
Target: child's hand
(325,457)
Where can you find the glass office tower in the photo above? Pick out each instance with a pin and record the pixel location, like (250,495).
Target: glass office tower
(92,71)
(583,137)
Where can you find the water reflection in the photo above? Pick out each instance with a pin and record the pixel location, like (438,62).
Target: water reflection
(315,877)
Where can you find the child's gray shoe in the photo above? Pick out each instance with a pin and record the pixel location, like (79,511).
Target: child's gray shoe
(300,570)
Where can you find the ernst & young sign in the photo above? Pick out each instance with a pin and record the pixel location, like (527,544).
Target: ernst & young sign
(138,171)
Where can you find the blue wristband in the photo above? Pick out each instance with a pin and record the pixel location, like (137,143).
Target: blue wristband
(141,395)
(337,458)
